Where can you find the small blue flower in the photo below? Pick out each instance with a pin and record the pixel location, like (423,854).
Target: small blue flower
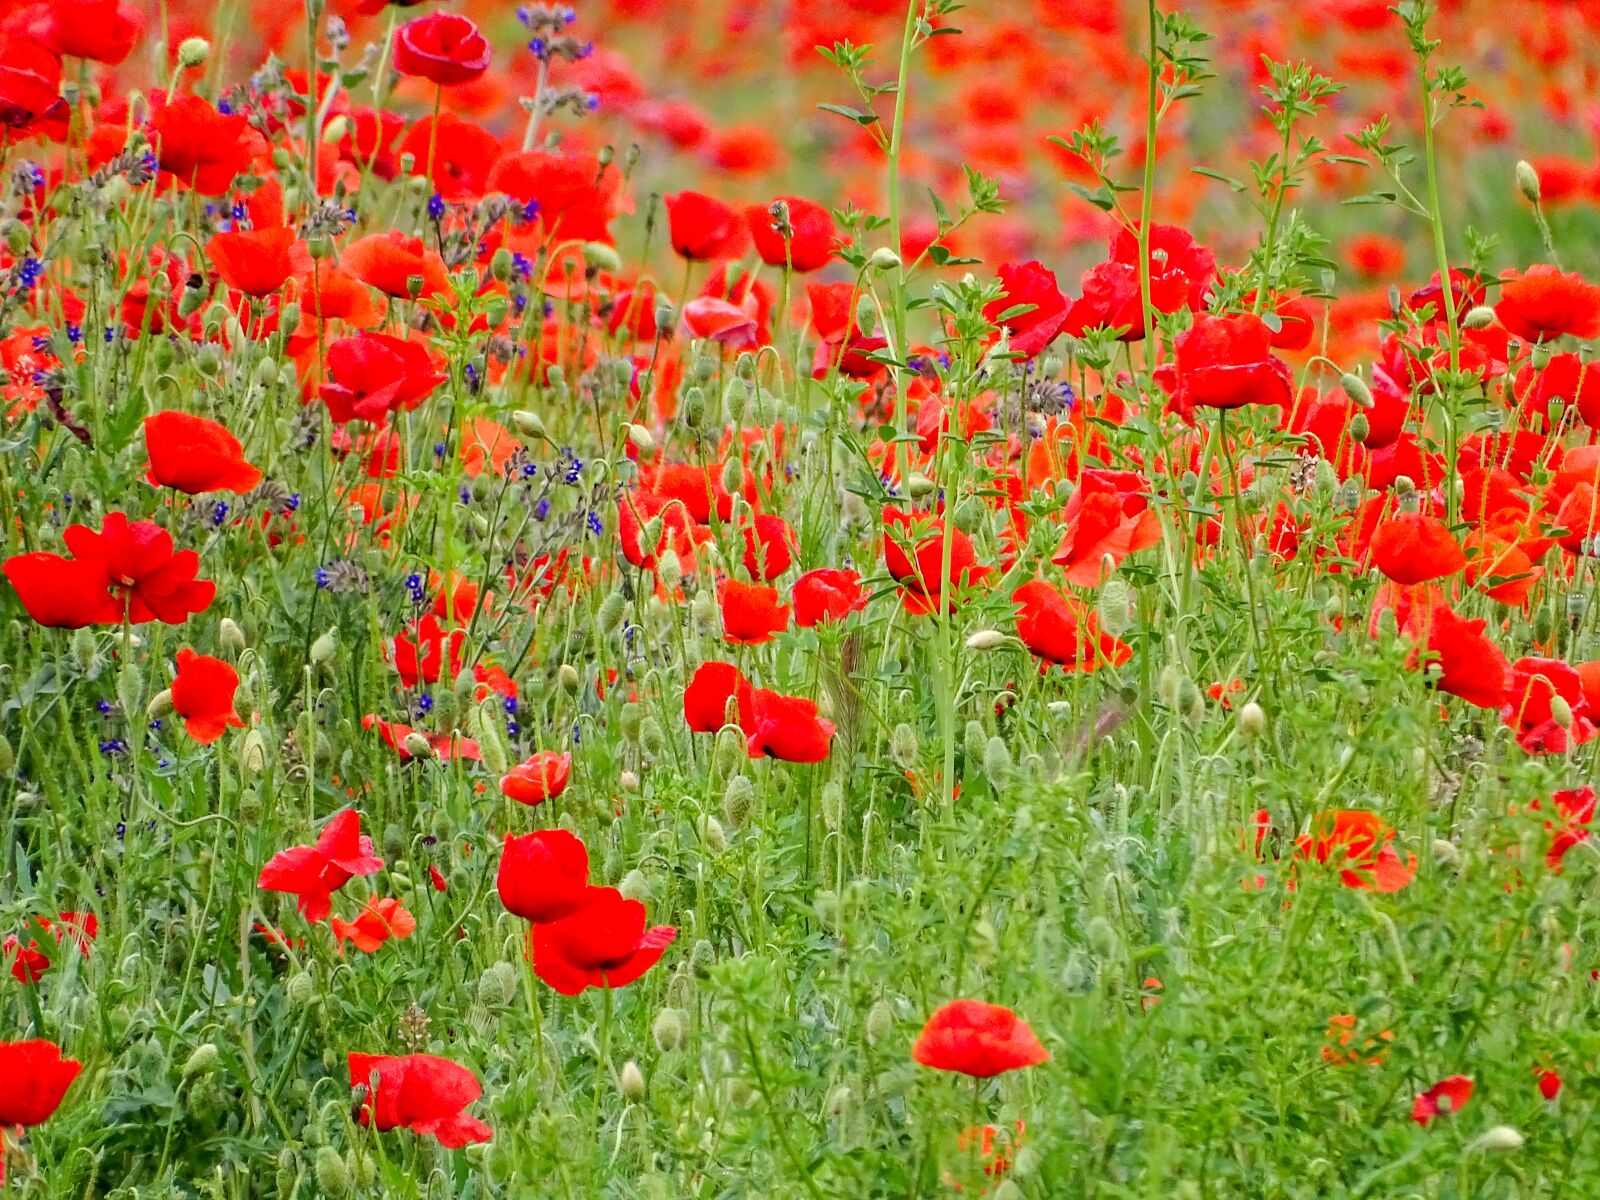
(541,510)
(104,708)
(596,525)
(323,578)
(219,513)
(436,207)
(74,334)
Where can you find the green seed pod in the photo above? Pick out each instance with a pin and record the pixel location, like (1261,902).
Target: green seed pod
(739,800)
(997,765)
(880,1022)
(300,990)
(333,1177)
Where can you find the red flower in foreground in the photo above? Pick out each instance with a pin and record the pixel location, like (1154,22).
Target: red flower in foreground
(30,82)
(445,48)
(1545,705)
(1576,806)
(917,564)
(604,942)
(705,698)
(1357,845)
(751,613)
(1416,547)
(419,654)
(253,262)
(1225,362)
(374,374)
(379,921)
(806,244)
(826,594)
(702,228)
(199,147)
(543,875)
(202,694)
(768,547)
(1108,514)
(542,777)
(314,873)
(36,1078)
(1543,303)
(127,566)
(1058,629)
(29,963)
(783,727)
(419,1092)
(1443,1098)
(1470,666)
(1031,308)
(102,30)
(977,1039)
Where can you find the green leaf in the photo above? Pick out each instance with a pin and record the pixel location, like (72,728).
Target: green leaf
(854,114)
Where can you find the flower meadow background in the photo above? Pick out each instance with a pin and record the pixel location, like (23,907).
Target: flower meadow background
(646,599)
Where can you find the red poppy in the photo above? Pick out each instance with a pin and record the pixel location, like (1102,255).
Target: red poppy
(194,454)
(805,244)
(542,875)
(603,942)
(419,653)
(37,1078)
(735,326)
(977,1039)
(1225,362)
(314,873)
(102,30)
(127,567)
(1181,272)
(202,694)
(575,195)
(1031,307)
(1575,808)
(1536,683)
(1543,302)
(1108,515)
(374,374)
(29,963)
(1357,845)
(702,228)
(419,1092)
(30,82)
(196,146)
(443,746)
(787,728)
(445,48)
(1471,667)
(1415,547)
(751,613)
(705,698)
(379,921)
(768,547)
(254,262)
(917,565)
(826,594)
(1447,1096)
(1058,629)
(392,263)
(542,777)
(1548,1082)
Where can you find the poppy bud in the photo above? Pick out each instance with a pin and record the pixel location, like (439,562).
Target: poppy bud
(1252,720)
(1479,317)
(418,746)
(1101,936)
(709,831)
(160,705)
(300,990)
(1561,711)
(1500,1138)
(570,682)
(1356,388)
(833,804)
(903,746)
(17,236)
(289,322)
(880,1022)
(652,738)
(202,1061)
(920,485)
(1007,1190)
(997,763)
(333,1177)
(738,800)
(1445,852)
(193,52)
(492,989)
(324,648)
(630,1082)
(641,439)
(839,1100)
(1544,625)
(609,615)
(667,1030)
(230,636)
(1360,427)
(1404,485)
(129,684)
(528,424)
(598,256)
(85,654)
(252,754)
(974,738)
(884,259)
(704,608)
(494,312)
(1115,607)
(1528,181)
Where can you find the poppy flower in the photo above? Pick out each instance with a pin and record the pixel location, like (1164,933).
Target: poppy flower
(1543,302)
(1415,547)
(29,963)
(751,613)
(419,653)
(542,875)
(37,1078)
(30,81)
(977,1039)
(1058,629)
(826,594)
(1530,706)
(711,318)
(917,564)
(805,243)
(379,921)
(195,454)
(253,262)
(787,728)
(419,1092)
(1548,1082)
(603,942)
(1471,666)
(1447,1096)
(1357,845)
(198,147)
(706,696)
(374,374)
(1108,515)
(1225,362)
(1342,1048)
(390,262)
(313,873)
(100,30)
(702,228)
(125,568)
(1031,308)
(444,746)
(444,48)
(542,777)
(768,547)
(202,694)
(1181,273)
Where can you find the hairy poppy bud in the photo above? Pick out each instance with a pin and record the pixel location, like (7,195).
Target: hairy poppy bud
(1528,181)
(709,831)
(418,746)
(609,614)
(300,990)
(324,648)
(1007,1190)
(1356,388)
(1500,1138)
(130,684)
(333,1177)
(1561,711)
(570,681)
(1360,427)
(738,800)
(1252,720)
(1445,852)
(920,485)
(974,737)
(230,636)
(1544,625)
(193,52)
(202,1061)
(630,1082)
(8,756)
(160,705)
(1116,607)
(997,764)
(528,424)
(884,259)
(667,1030)
(903,746)
(598,256)
(880,1022)
(1479,317)
(252,754)
(641,439)
(492,989)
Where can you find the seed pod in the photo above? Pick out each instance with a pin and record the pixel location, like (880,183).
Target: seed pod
(739,800)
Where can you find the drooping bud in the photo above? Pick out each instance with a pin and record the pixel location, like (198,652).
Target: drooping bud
(528,424)
(1528,181)
(884,259)
(711,834)
(569,678)
(667,1030)
(324,648)
(1478,317)
(202,1062)
(986,639)
(630,1082)
(1356,388)
(230,636)
(1502,1139)
(903,746)
(418,746)
(1252,720)
(333,1177)
(160,706)
(193,52)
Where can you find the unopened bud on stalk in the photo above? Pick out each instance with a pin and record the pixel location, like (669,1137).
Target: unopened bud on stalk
(919,485)
(1404,485)
(193,52)
(711,834)
(1500,1138)
(1528,181)
(300,990)
(1445,852)
(418,746)
(1252,720)
(903,746)
(1360,427)
(667,1030)
(324,648)
(334,131)
(1356,388)
(880,1022)
(739,800)
(202,1061)
(732,475)
(641,439)
(884,259)
(669,568)
(570,682)
(130,684)
(231,636)
(528,424)
(160,705)
(630,1082)
(1561,711)
(1480,316)
(598,256)
(997,763)
(333,1177)
(986,639)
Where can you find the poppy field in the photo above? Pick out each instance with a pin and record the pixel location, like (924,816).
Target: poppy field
(869,598)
